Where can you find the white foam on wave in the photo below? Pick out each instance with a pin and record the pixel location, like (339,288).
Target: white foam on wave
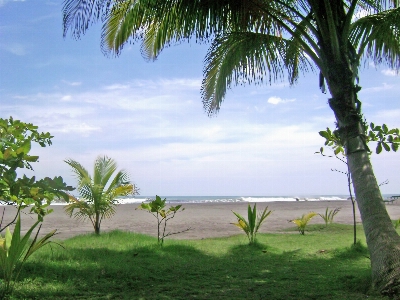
(267,199)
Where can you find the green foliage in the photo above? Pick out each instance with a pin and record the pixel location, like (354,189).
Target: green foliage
(329,215)
(303,221)
(253,222)
(98,194)
(385,138)
(397,223)
(128,265)
(15,250)
(16,139)
(157,208)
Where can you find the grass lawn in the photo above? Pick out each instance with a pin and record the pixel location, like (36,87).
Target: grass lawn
(123,265)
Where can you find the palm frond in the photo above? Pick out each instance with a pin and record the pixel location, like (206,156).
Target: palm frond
(80,172)
(377,37)
(121,178)
(121,190)
(83,210)
(104,168)
(161,23)
(79,14)
(247,57)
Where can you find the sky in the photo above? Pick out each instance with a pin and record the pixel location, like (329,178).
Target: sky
(149,117)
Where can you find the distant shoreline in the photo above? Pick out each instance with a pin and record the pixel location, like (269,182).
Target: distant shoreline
(207,220)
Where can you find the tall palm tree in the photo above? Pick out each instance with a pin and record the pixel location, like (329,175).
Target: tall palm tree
(263,40)
(98,194)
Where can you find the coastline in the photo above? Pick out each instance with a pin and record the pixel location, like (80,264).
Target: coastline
(207,220)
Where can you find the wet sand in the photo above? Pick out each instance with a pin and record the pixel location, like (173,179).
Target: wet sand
(206,220)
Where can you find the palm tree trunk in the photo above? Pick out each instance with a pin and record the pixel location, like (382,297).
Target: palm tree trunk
(382,238)
(97,224)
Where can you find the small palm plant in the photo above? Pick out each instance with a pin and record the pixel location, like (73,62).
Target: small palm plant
(98,194)
(329,215)
(303,221)
(253,222)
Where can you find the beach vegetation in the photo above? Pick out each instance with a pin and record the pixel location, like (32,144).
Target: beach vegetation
(397,223)
(127,265)
(14,252)
(98,193)
(303,221)
(329,215)
(16,140)
(253,222)
(157,207)
(264,41)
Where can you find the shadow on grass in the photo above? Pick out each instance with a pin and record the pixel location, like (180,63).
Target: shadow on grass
(181,271)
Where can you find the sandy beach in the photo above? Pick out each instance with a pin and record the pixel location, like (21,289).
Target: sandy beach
(205,219)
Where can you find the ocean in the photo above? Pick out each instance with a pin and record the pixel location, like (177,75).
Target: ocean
(223,199)
(227,199)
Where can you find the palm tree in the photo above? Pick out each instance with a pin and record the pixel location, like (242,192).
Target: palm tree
(263,40)
(98,194)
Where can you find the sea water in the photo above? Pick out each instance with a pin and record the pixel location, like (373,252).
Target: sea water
(227,199)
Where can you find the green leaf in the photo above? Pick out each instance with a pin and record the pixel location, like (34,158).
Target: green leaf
(324,134)
(386,146)
(385,128)
(379,148)
(395,147)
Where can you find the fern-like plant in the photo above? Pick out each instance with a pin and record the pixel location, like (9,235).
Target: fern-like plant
(303,221)
(253,223)
(329,215)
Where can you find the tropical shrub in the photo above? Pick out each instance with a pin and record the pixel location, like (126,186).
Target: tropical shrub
(157,208)
(253,222)
(303,221)
(16,141)
(98,195)
(329,215)
(14,251)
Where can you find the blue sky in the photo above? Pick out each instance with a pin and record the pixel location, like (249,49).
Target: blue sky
(149,116)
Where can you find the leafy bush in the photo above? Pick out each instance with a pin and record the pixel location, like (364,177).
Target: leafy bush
(253,222)
(157,208)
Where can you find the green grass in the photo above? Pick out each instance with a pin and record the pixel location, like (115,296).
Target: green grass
(122,265)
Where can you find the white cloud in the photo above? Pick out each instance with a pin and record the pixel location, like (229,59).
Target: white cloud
(389,72)
(277,100)
(15,48)
(383,87)
(116,87)
(3,2)
(82,128)
(393,114)
(72,83)
(66,98)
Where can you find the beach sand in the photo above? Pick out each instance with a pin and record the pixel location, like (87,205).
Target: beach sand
(206,220)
